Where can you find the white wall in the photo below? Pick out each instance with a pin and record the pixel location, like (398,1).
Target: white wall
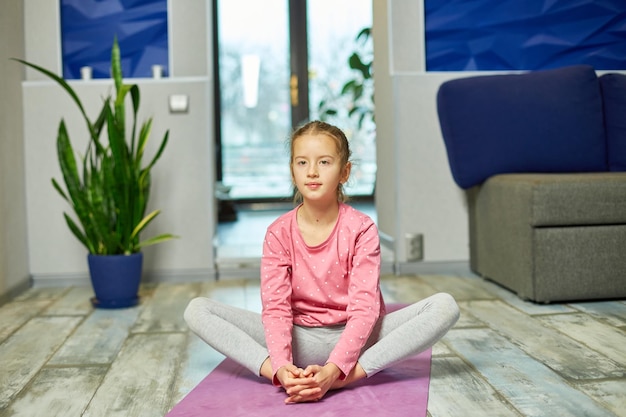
(14,274)
(415,192)
(183,178)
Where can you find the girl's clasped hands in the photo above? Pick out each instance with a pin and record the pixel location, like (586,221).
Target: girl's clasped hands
(309,384)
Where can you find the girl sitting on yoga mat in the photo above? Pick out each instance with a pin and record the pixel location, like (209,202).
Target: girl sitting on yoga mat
(323,323)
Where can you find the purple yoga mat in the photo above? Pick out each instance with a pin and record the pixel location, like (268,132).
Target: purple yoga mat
(230,390)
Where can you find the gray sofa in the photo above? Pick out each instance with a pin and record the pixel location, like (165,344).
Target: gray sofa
(542,156)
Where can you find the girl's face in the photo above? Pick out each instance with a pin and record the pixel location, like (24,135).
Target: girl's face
(316,167)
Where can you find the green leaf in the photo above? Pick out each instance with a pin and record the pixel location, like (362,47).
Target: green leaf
(144,135)
(357,64)
(66,87)
(57,187)
(348,87)
(78,233)
(157,239)
(144,222)
(67,162)
(120,109)
(97,128)
(116,64)
(160,151)
(135,98)
(364,34)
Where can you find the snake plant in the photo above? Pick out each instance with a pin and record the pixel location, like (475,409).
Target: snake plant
(109,197)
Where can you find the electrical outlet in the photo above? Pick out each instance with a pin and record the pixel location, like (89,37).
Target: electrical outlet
(414,247)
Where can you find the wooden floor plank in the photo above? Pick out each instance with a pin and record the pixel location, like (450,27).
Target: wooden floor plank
(57,392)
(441,349)
(98,339)
(405,289)
(253,295)
(459,288)
(527,384)
(231,292)
(28,349)
(139,383)
(75,301)
(388,292)
(163,312)
(607,340)
(43,293)
(612,312)
(199,360)
(563,354)
(457,390)
(525,306)
(467,319)
(611,394)
(14,315)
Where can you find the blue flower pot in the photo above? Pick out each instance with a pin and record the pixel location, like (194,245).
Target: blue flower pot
(115,279)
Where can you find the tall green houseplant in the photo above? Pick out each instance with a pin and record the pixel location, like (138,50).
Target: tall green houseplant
(109,190)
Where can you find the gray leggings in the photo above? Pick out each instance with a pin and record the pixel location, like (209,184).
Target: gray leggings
(239,335)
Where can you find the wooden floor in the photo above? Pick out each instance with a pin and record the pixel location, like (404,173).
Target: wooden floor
(505,357)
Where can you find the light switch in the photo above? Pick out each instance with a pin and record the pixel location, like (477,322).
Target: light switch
(179,103)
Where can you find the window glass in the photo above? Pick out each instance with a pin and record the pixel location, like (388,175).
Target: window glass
(254,88)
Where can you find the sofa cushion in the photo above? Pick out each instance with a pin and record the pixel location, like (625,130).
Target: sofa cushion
(542,121)
(563,200)
(614,100)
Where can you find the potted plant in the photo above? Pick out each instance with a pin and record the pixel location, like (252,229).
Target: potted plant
(109,191)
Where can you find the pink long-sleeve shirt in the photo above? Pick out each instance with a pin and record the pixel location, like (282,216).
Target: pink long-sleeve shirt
(336,282)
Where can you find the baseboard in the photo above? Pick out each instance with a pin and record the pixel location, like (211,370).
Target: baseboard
(238,268)
(82,279)
(244,268)
(181,275)
(240,273)
(458,268)
(77,279)
(248,268)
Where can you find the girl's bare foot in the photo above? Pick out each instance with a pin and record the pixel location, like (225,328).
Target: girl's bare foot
(356,374)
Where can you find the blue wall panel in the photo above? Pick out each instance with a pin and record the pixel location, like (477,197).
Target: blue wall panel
(89,26)
(469,35)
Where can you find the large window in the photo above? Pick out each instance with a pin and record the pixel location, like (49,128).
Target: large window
(278,60)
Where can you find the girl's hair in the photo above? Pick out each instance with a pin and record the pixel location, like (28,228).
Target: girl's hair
(317,127)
